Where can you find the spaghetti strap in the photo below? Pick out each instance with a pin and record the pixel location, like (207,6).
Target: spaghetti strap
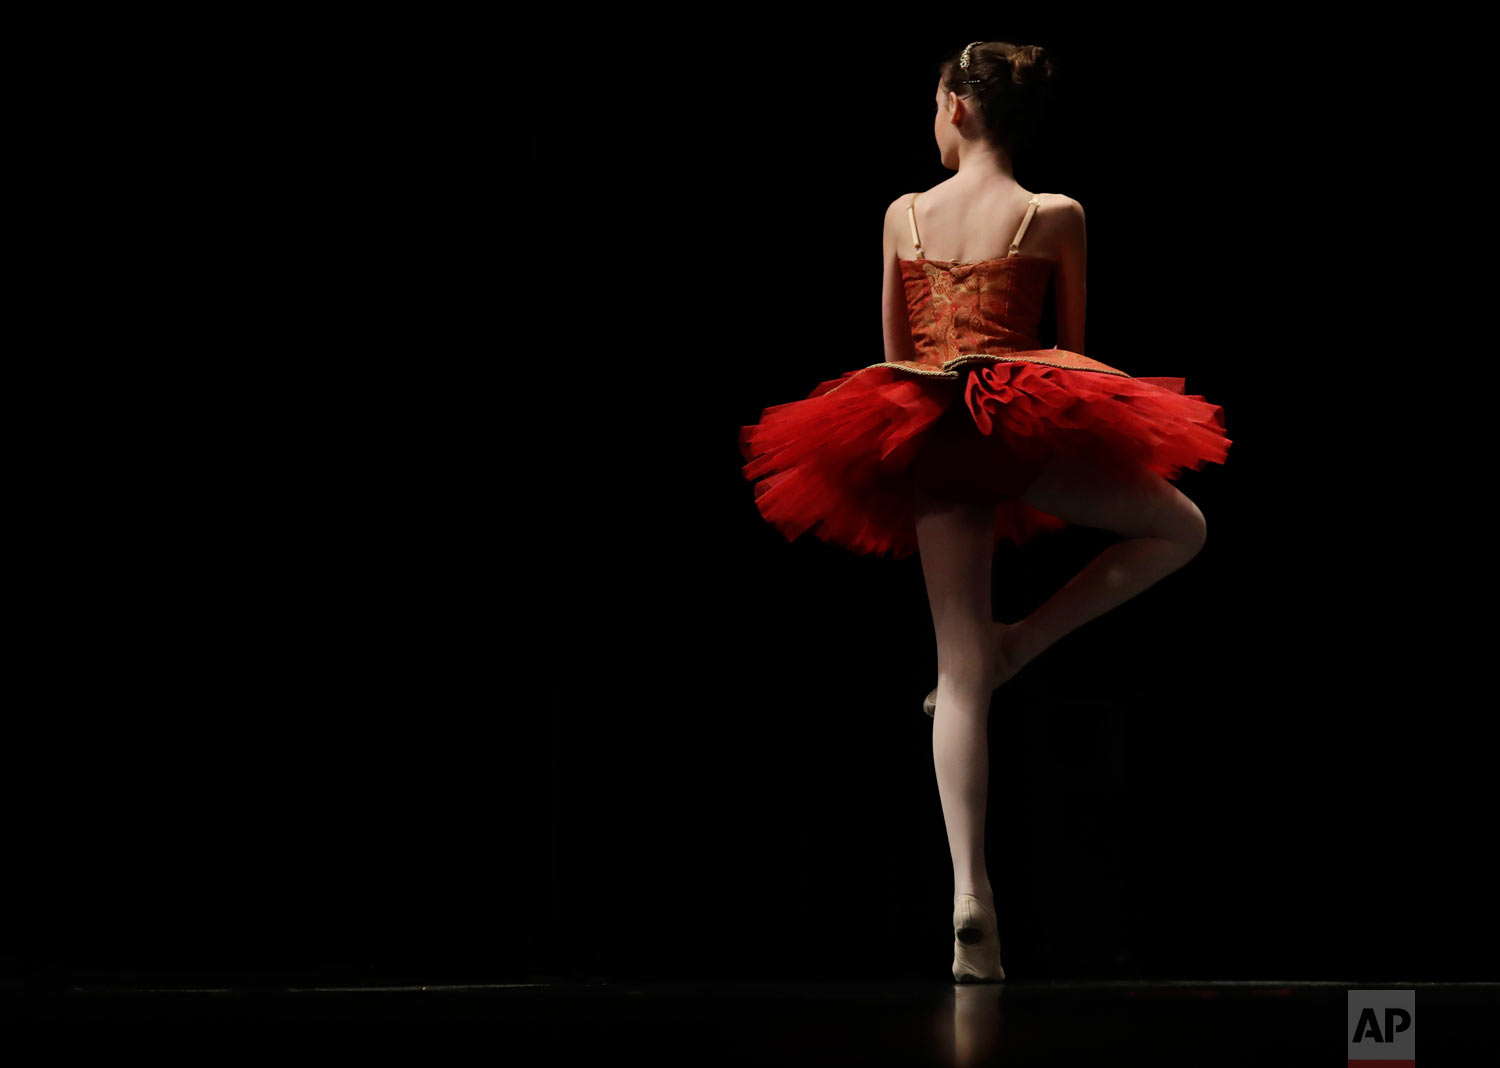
(916,239)
(1030,211)
(911,213)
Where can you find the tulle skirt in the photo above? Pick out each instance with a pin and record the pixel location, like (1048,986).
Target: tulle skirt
(845,462)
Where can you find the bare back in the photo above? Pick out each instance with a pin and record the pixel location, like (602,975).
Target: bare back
(967,228)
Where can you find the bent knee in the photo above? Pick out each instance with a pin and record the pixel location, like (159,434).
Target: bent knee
(1189,526)
(1178,519)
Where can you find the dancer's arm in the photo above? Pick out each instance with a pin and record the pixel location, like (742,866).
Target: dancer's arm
(1072,268)
(894,317)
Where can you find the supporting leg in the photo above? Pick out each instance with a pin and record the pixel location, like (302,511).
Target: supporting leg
(956,543)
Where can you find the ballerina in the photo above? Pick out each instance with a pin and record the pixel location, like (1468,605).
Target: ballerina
(969,433)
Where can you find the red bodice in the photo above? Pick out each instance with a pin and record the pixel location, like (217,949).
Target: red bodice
(971,313)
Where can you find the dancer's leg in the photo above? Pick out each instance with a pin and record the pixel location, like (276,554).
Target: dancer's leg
(1163,530)
(957,544)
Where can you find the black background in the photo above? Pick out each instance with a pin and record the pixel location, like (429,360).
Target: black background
(398,605)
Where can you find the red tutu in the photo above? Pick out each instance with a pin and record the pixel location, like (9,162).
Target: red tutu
(844,461)
(972,418)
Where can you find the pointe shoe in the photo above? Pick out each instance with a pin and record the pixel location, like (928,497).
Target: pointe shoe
(929,703)
(976,942)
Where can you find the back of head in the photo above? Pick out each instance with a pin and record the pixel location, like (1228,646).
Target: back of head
(1011,85)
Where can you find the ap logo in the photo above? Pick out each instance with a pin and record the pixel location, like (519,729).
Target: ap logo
(1382,1028)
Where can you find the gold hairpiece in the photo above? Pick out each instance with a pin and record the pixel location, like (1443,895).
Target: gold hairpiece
(963,62)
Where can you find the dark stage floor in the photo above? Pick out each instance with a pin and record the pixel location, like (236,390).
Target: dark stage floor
(710,1023)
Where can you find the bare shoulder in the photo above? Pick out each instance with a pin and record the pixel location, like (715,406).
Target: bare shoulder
(1061,206)
(895,218)
(898,207)
(1065,216)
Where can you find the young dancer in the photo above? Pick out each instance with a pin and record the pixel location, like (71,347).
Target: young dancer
(969,433)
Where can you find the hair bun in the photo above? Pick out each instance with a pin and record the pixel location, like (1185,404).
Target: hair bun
(1030,65)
